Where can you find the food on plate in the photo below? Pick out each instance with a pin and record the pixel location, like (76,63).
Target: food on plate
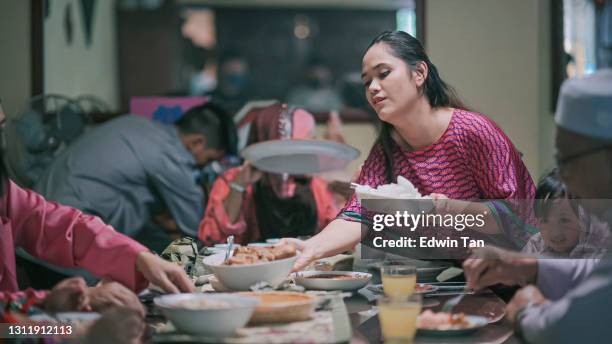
(442,321)
(255,254)
(275,307)
(340,277)
(403,189)
(201,304)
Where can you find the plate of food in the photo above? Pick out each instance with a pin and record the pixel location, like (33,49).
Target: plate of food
(281,306)
(332,280)
(250,265)
(389,198)
(446,324)
(205,314)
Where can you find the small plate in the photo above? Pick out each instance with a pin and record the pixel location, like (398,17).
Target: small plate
(476,323)
(324,280)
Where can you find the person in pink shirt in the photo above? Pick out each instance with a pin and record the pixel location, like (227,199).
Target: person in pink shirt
(66,237)
(428,136)
(253,206)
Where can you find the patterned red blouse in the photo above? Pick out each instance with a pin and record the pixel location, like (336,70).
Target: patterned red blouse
(473,160)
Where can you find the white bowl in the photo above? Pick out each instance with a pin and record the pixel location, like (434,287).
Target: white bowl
(242,277)
(216,322)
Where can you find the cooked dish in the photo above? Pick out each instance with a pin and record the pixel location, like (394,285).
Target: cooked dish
(442,321)
(201,304)
(254,254)
(339,277)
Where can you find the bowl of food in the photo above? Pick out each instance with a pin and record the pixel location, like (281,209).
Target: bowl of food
(332,280)
(282,307)
(447,324)
(215,315)
(250,265)
(389,198)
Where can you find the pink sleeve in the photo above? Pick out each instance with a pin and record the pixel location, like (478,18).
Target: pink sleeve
(327,209)
(66,237)
(498,168)
(372,174)
(216,226)
(36,295)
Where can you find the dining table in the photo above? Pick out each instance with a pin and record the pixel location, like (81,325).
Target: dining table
(356,319)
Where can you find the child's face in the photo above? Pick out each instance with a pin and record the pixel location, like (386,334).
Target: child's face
(561,229)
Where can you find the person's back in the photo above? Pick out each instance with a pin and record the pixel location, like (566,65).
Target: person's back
(125,171)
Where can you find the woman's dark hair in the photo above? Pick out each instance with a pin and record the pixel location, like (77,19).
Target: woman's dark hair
(212,121)
(550,187)
(437,92)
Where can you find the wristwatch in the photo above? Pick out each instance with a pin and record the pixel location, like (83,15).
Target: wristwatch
(237,187)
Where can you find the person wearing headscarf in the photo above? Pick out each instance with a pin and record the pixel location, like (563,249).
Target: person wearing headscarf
(252,205)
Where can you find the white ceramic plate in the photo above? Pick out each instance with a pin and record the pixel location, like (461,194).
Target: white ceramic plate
(308,280)
(476,323)
(299,156)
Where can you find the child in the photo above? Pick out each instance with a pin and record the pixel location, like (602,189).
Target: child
(565,229)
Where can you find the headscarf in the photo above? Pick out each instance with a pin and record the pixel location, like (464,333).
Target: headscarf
(295,215)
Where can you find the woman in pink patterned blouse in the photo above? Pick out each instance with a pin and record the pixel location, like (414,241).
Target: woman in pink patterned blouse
(430,139)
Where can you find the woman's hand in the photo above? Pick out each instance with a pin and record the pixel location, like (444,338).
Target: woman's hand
(117,325)
(113,294)
(306,253)
(247,175)
(169,276)
(68,295)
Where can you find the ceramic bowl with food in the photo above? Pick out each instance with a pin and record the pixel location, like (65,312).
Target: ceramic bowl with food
(282,307)
(214,315)
(332,280)
(241,272)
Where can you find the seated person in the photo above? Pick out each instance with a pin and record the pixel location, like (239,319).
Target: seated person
(254,206)
(131,171)
(122,319)
(565,229)
(66,237)
(317,94)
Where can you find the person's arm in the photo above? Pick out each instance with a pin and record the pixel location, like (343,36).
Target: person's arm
(557,276)
(65,236)
(183,198)
(337,237)
(218,223)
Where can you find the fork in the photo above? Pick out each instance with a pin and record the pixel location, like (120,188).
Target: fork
(451,303)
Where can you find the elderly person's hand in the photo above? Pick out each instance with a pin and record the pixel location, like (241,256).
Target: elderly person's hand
(117,325)
(113,294)
(491,265)
(524,298)
(169,276)
(68,295)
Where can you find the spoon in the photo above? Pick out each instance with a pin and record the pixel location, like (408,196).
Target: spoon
(230,247)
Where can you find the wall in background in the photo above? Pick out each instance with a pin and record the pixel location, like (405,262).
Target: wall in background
(14,54)
(496,53)
(74,68)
